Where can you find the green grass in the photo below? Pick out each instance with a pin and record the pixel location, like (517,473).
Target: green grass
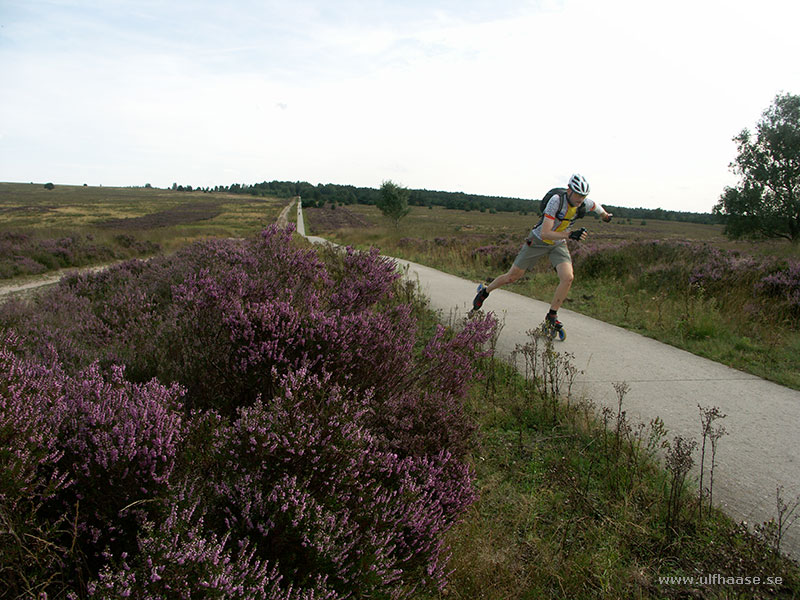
(569,510)
(745,343)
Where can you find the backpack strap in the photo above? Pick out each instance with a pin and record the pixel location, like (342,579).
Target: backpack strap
(546,199)
(562,196)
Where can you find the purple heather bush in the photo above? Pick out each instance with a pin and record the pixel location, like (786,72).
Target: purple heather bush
(303,476)
(22,254)
(362,279)
(423,412)
(784,285)
(33,544)
(241,419)
(179,558)
(120,441)
(76,450)
(62,329)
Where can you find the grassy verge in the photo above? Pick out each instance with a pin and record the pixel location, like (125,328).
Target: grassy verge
(572,506)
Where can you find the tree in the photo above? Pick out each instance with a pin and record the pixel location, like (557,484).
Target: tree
(393,201)
(49,186)
(766,203)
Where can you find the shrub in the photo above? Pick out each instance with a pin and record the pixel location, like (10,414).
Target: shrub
(75,451)
(731,278)
(302,475)
(34,541)
(119,441)
(179,558)
(24,255)
(784,286)
(242,415)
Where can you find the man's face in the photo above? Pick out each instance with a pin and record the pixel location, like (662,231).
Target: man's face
(575,199)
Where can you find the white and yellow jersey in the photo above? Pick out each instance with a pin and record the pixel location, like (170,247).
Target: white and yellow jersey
(562,219)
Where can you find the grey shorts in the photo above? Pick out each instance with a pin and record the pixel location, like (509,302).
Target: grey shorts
(530,253)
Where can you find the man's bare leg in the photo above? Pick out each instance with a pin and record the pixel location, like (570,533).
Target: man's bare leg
(514,274)
(565,277)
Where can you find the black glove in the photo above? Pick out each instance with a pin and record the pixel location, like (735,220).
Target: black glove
(576,235)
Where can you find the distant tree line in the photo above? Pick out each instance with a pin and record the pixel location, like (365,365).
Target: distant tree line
(330,193)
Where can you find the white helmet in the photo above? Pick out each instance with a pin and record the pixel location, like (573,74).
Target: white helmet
(579,185)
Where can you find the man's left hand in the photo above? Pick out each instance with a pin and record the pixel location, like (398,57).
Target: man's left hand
(607,217)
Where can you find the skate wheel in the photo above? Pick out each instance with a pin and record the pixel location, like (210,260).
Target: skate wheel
(562,335)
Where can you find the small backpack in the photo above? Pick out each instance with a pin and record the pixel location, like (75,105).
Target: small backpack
(562,192)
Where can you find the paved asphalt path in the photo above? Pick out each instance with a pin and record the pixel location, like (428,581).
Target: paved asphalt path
(761,450)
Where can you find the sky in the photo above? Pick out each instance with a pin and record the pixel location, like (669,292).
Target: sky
(492,97)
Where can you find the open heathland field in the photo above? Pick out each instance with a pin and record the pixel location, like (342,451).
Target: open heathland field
(686,284)
(71,226)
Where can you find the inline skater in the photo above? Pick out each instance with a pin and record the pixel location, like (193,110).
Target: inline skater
(561,207)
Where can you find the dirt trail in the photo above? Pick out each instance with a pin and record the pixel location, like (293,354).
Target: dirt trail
(29,284)
(283,219)
(11,289)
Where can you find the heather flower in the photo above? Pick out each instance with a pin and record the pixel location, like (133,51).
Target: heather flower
(30,418)
(302,476)
(784,284)
(361,279)
(120,441)
(180,558)
(325,440)
(684,267)
(21,254)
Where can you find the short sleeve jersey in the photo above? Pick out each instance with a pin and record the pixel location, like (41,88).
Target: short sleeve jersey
(563,219)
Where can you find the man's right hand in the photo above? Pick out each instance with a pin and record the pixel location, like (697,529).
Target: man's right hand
(578,235)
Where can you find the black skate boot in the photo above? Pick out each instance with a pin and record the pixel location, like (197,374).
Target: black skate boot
(482,295)
(554,327)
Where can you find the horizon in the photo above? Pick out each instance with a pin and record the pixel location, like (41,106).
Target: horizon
(201,189)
